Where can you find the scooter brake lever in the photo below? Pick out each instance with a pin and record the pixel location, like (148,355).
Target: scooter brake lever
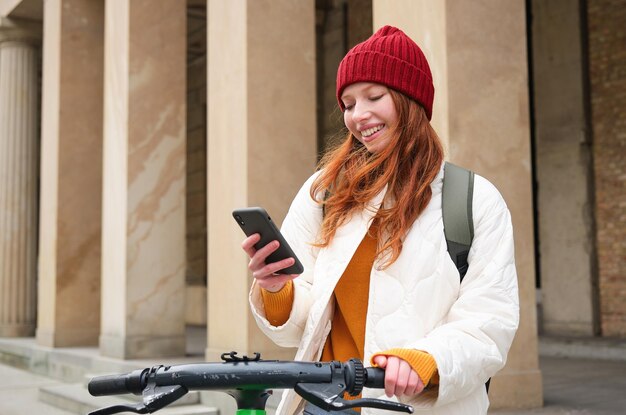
(328,397)
(116,409)
(376,403)
(154,398)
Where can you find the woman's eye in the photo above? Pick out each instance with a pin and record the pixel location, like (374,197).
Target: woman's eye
(348,107)
(376,98)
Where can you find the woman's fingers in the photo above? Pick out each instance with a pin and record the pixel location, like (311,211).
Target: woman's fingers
(400,378)
(420,385)
(249,242)
(269,269)
(414,384)
(265,274)
(258,259)
(391,375)
(276,282)
(402,383)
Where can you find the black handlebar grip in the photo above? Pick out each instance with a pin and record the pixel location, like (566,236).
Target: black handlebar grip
(132,382)
(375,378)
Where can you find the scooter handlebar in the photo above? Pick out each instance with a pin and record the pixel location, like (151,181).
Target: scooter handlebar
(133,382)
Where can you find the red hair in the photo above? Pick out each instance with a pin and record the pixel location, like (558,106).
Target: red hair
(352,176)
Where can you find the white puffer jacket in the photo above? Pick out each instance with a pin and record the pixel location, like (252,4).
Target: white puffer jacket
(418,302)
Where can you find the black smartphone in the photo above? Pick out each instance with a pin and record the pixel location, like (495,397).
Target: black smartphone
(256,220)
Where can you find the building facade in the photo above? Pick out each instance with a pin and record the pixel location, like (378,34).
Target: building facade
(130,129)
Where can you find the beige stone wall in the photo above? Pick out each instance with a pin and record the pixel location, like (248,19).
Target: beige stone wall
(607,72)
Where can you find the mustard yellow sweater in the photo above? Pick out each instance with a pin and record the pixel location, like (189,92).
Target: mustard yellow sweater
(347,336)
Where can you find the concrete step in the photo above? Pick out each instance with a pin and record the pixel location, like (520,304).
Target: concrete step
(76,399)
(599,348)
(190,398)
(71,364)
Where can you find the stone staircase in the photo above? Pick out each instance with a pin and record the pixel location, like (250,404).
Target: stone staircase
(76,399)
(75,366)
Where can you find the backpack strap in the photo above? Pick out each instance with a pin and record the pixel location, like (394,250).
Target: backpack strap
(458,223)
(456,204)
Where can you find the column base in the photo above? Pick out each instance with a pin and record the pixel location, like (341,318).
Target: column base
(142,347)
(17,330)
(519,390)
(196,305)
(567,328)
(67,338)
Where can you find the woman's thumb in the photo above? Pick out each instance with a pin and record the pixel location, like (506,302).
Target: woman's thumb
(381,361)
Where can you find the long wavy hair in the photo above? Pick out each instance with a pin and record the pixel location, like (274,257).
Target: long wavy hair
(351,177)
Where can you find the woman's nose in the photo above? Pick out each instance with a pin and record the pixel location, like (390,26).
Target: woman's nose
(361,112)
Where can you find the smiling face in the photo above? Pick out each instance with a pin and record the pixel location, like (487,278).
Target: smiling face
(369,114)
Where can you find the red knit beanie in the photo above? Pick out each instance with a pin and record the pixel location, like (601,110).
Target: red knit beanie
(392,59)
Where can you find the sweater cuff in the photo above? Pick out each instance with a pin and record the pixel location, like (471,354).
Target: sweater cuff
(422,363)
(278,304)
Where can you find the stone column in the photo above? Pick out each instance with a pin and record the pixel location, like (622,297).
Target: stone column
(18,176)
(477,51)
(261,144)
(143,221)
(71,179)
(564,171)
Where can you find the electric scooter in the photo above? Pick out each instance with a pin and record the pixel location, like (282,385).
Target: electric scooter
(250,381)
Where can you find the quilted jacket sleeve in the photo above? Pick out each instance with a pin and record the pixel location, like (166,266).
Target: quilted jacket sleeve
(300,229)
(472,342)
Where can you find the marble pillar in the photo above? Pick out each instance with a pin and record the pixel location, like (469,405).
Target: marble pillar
(71,179)
(261,144)
(477,51)
(143,221)
(18,176)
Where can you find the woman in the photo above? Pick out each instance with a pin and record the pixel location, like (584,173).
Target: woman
(379,283)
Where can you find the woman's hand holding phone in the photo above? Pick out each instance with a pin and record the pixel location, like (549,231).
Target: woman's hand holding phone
(266,274)
(272,261)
